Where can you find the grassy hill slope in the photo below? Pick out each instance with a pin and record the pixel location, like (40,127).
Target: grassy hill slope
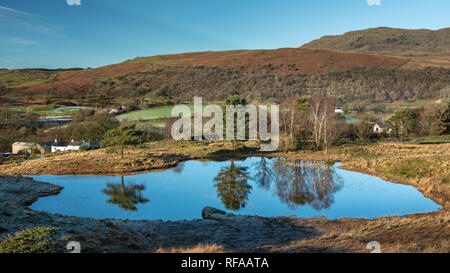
(422,47)
(287,61)
(388,41)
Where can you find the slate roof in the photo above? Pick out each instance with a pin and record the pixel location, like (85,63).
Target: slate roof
(381,125)
(60,144)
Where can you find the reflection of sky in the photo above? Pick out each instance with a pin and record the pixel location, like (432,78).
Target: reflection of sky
(183,195)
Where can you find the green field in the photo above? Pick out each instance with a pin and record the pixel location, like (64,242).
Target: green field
(48,111)
(431,139)
(149,114)
(157,122)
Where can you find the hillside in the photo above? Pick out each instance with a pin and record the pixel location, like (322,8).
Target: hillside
(258,75)
(422,47)
(388,41)
(287,62)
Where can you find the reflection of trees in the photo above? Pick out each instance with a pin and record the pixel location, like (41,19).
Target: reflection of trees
(126,197)
(299,182)
(232,187)
(179,168)
(264,173)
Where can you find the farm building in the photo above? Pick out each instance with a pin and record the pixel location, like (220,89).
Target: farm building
(61,146)
(26,148)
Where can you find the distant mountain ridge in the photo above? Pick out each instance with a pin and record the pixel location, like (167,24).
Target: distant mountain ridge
(388,41)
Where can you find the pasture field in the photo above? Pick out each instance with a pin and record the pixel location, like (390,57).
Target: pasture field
(157,113)
(48,111)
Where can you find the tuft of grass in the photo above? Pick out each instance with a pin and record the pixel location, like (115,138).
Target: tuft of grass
(200,248)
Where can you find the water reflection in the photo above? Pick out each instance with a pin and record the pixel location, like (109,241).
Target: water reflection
(299,182)
(127,197)
(264,174)
(294,182)
(179,168)
(268,188)
(232,187)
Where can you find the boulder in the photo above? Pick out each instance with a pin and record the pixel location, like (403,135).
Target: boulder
(213,213)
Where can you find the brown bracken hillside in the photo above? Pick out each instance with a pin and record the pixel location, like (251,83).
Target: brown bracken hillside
(286,61)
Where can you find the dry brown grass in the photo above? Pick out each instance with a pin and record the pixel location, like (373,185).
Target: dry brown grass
(200,248)
(426,167)
(419,233)
(152,156)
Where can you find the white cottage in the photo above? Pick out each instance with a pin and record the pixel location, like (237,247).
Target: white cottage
(60,146)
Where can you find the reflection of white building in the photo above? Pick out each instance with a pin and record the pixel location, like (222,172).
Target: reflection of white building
(60,146)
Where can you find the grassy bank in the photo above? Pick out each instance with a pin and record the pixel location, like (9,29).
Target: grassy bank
(426,167)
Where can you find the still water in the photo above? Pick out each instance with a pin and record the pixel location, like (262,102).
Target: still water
(255,186)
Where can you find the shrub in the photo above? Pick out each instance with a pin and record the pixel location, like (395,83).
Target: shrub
(330,162)
(124,136)
(34,240)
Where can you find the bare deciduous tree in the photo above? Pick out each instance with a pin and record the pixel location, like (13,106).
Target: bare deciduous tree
(322,122)
(292,115)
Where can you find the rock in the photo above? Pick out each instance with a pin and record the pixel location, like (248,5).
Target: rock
(213,213)
(3,230)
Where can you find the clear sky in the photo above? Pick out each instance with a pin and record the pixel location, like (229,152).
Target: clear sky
(54,34)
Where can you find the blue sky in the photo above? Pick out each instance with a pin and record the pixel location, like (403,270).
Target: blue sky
(54,34)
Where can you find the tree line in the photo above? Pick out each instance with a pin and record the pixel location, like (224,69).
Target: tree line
(218,83)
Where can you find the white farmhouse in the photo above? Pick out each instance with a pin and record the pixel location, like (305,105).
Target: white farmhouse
(60,146)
